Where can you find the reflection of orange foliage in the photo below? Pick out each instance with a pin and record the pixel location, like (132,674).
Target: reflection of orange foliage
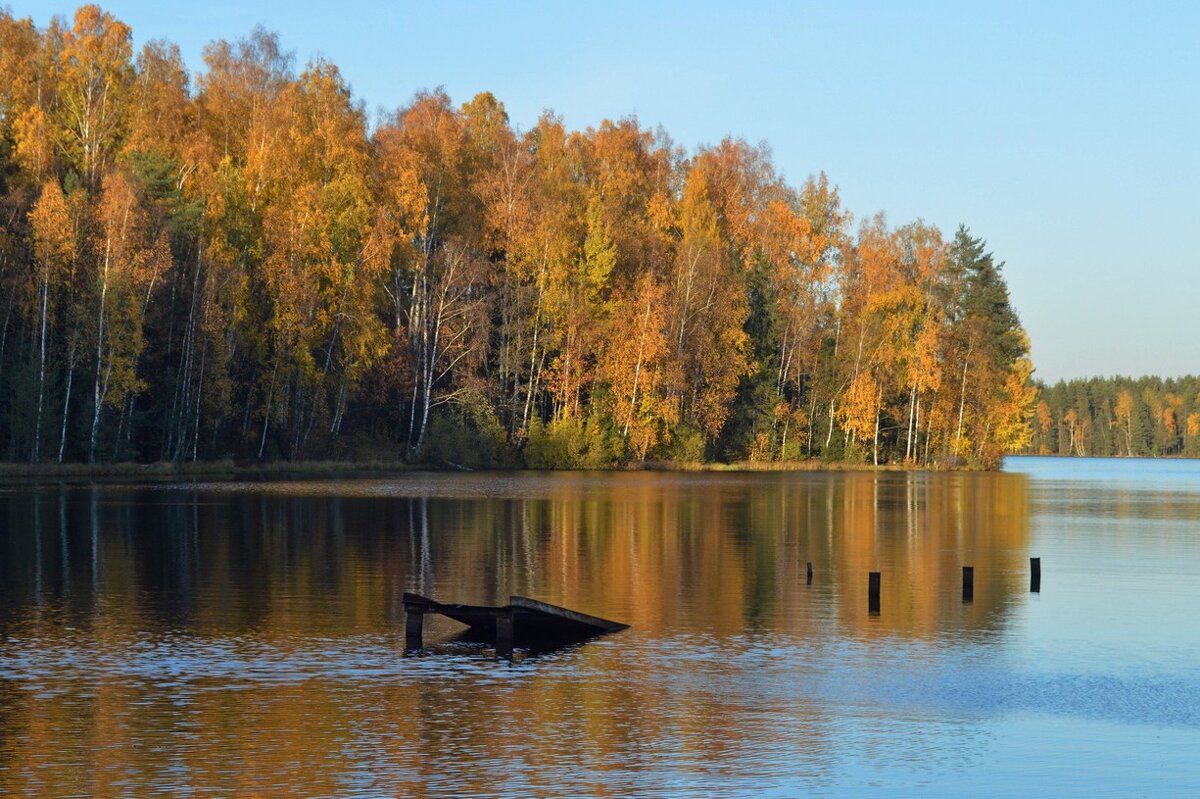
(919,531)
(290,575)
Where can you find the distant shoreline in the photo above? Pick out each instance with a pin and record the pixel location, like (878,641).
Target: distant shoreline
(1059,456)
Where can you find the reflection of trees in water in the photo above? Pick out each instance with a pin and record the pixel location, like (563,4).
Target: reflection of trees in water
(919,530)
(695,562)
(705,552)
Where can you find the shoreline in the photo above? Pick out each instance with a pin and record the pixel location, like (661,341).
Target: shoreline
(16,473)
(12,473)
(169,471)
(232,471)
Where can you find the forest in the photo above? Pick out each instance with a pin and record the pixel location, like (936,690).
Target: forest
(1119,416)
(240,263)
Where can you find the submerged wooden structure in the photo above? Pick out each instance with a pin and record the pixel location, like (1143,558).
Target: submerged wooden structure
(523,622)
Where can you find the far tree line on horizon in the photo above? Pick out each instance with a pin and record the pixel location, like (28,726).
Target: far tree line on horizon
(1118,416)
(240,264)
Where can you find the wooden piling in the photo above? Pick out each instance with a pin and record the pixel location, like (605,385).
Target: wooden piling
(414,624)
(968,584)
(809,582)
(873,592)
(504,634)
(1035,575)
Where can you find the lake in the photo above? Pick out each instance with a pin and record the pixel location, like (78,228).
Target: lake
(246,638)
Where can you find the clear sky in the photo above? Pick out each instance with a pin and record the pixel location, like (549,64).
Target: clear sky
(1065,134)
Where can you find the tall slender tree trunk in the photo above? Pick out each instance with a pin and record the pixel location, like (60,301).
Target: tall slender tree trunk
(426,397)
(4,330)
(637,370)
(537,325)
(908,432)
(181,397)
(116,455)
(262,443)
(784,358)
(62,437)
(928,438)
(412,415)
(875,444)
(319,390)
(430,350)
(917,432)
(787,423)
(97,398)
(829,433)
(812,421)
(37,427)
(987,429)
(962,400)
(196,412)
(339,408)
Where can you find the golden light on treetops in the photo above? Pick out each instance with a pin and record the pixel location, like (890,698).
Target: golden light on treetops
(241,265)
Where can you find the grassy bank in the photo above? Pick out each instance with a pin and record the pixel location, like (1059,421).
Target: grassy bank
(168,472)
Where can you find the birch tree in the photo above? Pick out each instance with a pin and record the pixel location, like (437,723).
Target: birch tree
(54,252)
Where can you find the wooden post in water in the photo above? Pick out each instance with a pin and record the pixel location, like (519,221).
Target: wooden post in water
(504,634)
(1035,575)
(968,583)
(414,624)
(873,593)
(809,573)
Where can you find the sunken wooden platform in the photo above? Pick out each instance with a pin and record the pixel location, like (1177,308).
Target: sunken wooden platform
(523,622)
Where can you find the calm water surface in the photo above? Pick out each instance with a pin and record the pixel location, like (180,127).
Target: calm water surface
(245,639)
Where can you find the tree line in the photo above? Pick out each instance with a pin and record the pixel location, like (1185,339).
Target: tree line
(1118,416)
(239,263)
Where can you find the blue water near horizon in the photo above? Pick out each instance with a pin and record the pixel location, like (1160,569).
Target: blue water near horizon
(1124,471)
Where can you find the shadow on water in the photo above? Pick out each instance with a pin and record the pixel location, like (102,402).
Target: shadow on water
(535,650)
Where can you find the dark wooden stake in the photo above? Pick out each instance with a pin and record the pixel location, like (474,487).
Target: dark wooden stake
(1035,575)
(873,592)
(968,583)
(504,634)
(414,623)
(809,573)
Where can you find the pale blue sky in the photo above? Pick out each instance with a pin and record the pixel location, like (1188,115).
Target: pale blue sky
(1066,134)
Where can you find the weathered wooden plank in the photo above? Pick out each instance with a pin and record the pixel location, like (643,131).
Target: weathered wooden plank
(479,617)
(534,606)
